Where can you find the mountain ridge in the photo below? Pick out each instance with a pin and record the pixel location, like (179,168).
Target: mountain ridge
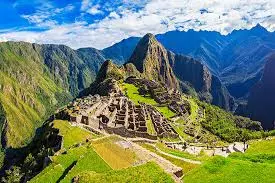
(221,53)
(36,79)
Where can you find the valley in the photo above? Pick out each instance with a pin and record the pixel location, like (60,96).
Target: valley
(146,91)
(93,149)
(159,117)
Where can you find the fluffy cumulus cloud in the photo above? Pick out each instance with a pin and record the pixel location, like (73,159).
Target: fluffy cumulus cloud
(115,21)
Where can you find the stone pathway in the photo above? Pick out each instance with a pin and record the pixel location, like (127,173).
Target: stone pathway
(176,157)
(166,165)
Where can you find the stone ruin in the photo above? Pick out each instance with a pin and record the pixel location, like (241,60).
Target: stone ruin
(161,125)
(163,95)
(117,114)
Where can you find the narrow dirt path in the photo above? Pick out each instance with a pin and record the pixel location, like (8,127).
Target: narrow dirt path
(180,158)
(166,165)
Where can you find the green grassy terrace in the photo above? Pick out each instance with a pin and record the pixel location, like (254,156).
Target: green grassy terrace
(132,92)
(256,165)
(100,160)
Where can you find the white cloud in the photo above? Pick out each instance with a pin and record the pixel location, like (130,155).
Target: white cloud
(94,10)
(85,5)
(43,17)
(155,16)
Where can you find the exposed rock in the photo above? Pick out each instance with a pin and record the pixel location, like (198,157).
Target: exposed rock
(262,98)
(152,60)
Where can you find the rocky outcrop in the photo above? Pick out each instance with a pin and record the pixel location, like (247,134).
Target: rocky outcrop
(152,60)
(156,63)
(261,101)
(105,79)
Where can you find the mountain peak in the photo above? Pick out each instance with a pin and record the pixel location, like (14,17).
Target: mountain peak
(149,36)
(148,40)
(151,59)
(144,48)
(259,28)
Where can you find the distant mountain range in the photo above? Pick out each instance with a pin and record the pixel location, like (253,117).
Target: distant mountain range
(152,61)
(261,100)
(236,59)
(37,79)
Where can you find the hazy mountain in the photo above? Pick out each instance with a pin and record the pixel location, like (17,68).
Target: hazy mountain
(152,61)
(120,52)
(237,59)
(35,80)
(262,99)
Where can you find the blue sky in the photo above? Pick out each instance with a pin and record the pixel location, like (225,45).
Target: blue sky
(99,23)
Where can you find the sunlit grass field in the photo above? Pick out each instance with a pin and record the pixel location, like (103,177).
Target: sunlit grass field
(149,172)
(256,165)
(72,135)
(114,155)
(132,92)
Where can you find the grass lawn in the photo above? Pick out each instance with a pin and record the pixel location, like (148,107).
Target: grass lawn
(133,94)
(150,127)
(228,170)
(256,165)
(165,111)
(149,172)
(116,156)
(181,154)
(186,166)
(261,146)
(85,157)
(72,135)
(89,162)
(50,174)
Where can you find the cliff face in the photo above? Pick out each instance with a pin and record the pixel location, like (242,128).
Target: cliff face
(152,60)
(35,80)
(261,101)
(208,86)
(156,63)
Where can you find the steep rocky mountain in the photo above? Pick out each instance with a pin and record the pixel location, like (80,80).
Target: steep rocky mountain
(152,60)
(262,99)
(35,80)
(209,88)
(237,59)
(203,45)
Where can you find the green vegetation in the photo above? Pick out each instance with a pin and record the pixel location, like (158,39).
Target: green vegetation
(228,170)
(116,156)
(259,151)
(183,164)
(165,111)
(72,135)
(181,154)
(150,127)
(149,172)
(94,160)
(223,124)
(84,157)
(131,91)
(51,174)
(89,162)
(257,164)
(35,81)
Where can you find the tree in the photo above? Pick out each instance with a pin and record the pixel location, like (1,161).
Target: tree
(13,175)
(29,165)
(143,90)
